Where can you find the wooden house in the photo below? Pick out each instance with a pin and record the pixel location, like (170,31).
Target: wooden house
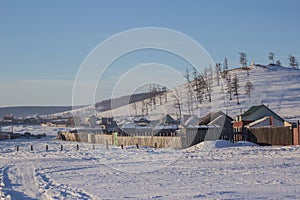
(257,116)
(261,125)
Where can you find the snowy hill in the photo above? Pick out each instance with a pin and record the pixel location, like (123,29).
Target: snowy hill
(274,86)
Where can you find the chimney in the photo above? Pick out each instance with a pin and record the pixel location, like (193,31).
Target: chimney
(271,120)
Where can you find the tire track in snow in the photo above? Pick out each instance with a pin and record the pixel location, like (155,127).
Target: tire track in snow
(19,183)
(3,194)
(55,191)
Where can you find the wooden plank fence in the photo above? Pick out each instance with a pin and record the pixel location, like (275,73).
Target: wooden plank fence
(271,135)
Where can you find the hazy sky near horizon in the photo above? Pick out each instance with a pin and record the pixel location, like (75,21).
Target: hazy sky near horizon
(43,43)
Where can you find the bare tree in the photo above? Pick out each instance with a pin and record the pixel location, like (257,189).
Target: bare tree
(243,61)
(278,63)
(235,85)
(144,108)
(271,57)
(134,106)
(248,88)
(207,83)
(178,101)
(187,75)
(198,86)
(293,62)
(229,87)
(218,72)
(189,92)
(202,85)
(190,98)
(164,89)
(225,68)
(211,74)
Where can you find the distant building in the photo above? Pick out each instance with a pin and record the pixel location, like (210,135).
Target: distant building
(142,121)
(8,119)
(257,116)
(92,121)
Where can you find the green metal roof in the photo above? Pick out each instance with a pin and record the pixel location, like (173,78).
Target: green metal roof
(251,110)
(254,110)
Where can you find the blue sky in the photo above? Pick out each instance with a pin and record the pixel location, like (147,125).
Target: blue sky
(43,43)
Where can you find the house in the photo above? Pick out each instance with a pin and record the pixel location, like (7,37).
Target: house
(108,124)
(165,126)
(257,116)
(214,126)
(142,121)
(218,120)
(261,125)
(8,119)
(92,121)
(264,122)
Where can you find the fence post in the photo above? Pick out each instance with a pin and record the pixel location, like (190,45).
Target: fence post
(137,146)
(31,147)
(106,144)
(61,147)
(77,147)
(17,147)
(122,147)
(46,147)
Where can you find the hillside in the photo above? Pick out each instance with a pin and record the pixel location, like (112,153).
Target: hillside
(274,86)
(106,105)
(25,111)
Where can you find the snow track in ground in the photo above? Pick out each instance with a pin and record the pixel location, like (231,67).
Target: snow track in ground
(53,190)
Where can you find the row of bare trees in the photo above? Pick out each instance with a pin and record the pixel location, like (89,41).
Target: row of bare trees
(158,96)
(293,63)
(198,88)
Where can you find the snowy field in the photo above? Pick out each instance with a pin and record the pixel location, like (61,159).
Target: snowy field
(210,170)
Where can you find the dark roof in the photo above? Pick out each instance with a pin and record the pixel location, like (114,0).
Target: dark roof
(168,120)
(164,121)
(254,109)
(142,120)
(212,116)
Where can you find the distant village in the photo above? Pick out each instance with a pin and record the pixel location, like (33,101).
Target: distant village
(259,124)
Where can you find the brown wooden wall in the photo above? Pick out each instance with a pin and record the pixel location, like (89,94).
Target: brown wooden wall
(271,135)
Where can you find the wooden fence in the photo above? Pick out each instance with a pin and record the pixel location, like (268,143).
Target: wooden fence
(184,138)
(152,141)
(270,135)
(191,136)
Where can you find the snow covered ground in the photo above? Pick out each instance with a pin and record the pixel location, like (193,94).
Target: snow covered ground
(210,170)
